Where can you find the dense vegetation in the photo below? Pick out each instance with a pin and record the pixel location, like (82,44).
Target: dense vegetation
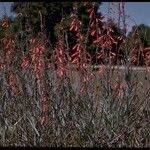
(51,94)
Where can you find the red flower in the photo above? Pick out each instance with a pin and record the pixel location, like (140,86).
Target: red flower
(25,63)
(44,120)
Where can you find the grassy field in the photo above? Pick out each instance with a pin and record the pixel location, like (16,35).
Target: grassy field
(110,109)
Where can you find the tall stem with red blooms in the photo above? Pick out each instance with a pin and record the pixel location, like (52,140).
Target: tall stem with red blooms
(80,57)
(102,36)
(8,47)
(60,56)
(37,59)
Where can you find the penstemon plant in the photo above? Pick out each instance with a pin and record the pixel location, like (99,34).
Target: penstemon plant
(57,96)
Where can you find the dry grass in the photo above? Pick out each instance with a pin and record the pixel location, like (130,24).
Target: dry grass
(96,117)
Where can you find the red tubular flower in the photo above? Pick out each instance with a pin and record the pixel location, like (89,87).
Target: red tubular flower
(93,33)
(61,71)
(60,56)
(101,70)
(25,63)
(45,107)
(44,120)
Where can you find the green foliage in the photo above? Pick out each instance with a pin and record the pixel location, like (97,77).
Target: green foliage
(142,31)
(52,14)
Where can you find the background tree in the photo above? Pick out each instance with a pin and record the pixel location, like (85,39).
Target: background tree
(52,13)
(34,16)
(139,37)
(50,16)
(143,32)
